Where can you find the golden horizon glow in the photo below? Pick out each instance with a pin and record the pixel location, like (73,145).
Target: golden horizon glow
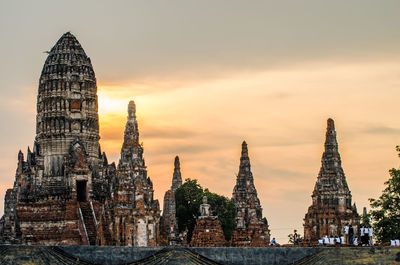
(281,114)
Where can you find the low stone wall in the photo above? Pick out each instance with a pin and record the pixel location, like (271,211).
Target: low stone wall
(13,254)
(110,255)
(272,255)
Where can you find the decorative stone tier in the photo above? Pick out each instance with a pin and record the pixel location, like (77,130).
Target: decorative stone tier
(208,233)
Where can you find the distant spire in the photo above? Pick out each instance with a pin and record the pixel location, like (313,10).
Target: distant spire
(177,178)
(29,156)
(331,161)
(245,152)
(131,111)
(331,144)
(132,151)
(331,124)
(131,129)
(331,196)
(331,178)
(245,193)
(245,161)
(20,156)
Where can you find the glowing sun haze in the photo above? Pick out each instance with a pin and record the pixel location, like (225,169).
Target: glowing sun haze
(207,75)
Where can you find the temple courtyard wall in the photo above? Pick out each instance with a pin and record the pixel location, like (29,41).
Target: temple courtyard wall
(14,254)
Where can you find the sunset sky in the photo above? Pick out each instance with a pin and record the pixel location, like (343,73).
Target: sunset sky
(206,75)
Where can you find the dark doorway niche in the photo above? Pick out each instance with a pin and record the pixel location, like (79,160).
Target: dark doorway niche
(81,194)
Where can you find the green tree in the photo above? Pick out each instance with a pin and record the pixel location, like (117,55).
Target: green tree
(188,198)
(386,210)
(225,209)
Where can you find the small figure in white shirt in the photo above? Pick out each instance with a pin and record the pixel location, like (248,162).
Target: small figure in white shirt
(370,234)
(326,240)
(355,242)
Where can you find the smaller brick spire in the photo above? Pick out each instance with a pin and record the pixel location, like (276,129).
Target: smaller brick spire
(132,151)
(177,177)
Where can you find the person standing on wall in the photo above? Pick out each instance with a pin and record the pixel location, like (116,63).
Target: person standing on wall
(295,238)
(346,234)
(351,234)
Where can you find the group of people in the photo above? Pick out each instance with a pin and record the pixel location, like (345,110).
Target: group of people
(348,237)
(395,243)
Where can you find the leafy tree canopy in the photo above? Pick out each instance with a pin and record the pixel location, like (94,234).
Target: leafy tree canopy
(188,198)
(386,210)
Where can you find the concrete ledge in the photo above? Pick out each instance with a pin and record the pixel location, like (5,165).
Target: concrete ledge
(15,254)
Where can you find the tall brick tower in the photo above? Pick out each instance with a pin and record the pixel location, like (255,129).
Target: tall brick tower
(66,105)
(251,228)
(331,205)
(58,190)
(65,192)
(136,212)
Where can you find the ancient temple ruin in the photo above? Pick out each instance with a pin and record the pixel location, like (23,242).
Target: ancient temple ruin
(251,228)
(135,213)
(65,192)
(208,230)
(331,207)
(169,223)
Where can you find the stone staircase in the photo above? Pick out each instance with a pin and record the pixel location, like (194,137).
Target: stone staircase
(88,219)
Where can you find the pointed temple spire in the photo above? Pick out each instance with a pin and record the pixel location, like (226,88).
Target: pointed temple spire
(177,177)
(249,211)
(134,194)
(169,223)
(131,129)
(245,192)
(331,198)
(331,162)
(132,151)
(244,167)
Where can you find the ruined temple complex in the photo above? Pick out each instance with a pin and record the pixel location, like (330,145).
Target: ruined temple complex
(251,228)
(67,193)
(331,207)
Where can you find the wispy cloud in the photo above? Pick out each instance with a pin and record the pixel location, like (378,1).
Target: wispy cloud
(381,130)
